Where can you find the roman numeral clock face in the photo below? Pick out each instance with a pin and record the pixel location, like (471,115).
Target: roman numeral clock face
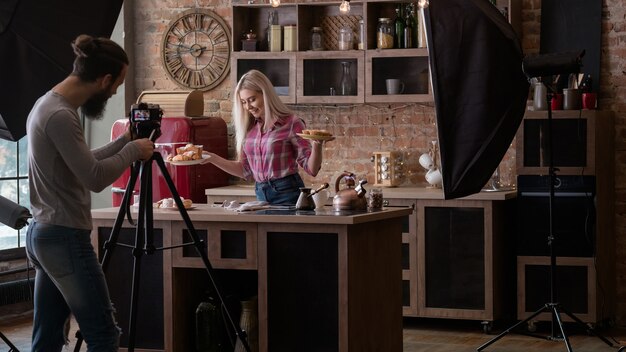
(196,49)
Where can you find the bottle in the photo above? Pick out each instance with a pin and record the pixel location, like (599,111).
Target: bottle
(414,24)
(398,25)
(384,33)
(587,84)
(408,30)
(346,85)
(316,38)
(209,327)
(361,35)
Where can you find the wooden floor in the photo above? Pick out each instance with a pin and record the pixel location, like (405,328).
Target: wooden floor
(419,335)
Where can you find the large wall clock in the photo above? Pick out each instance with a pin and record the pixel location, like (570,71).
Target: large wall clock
(196,49)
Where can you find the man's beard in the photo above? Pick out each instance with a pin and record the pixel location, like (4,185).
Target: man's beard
(94,107)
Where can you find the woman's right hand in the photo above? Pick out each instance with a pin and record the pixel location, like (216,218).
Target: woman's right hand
(146,148)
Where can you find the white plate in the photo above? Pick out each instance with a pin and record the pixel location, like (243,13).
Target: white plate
(314,136)
(174,208)
(189,162)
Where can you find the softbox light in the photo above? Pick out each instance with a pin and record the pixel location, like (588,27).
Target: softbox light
(479,89)
(35,39)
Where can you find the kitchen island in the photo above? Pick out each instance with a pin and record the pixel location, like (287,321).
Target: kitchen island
(324,280)
(458,258)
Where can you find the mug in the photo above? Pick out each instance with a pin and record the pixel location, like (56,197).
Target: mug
(433,177)
(571,99)
(394,86)
(320,198)
(557,101)
(426,161)
(589,100)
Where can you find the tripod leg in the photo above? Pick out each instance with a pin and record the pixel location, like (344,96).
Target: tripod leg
(109,244)
(587,327)
(512,328)
(145,212)
(557,317)
(12,347)
(198,244)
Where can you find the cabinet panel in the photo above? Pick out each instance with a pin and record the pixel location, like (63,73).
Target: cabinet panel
(319,76)
(575,287)
(408,65)
(279,68)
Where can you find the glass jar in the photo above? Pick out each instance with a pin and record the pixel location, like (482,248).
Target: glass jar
(316,38)
(344,41)
(384,33)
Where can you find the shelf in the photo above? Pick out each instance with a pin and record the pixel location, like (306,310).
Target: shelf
(319,71)
(278,67)
(381,65)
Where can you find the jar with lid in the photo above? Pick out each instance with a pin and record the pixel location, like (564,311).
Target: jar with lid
(384,33)
(316,38)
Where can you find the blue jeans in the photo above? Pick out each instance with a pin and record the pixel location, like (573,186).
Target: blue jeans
(69,278)
(281,191)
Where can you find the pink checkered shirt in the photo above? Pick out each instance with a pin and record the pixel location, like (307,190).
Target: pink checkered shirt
(275,153)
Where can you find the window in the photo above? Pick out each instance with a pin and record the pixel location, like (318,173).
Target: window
(14,186)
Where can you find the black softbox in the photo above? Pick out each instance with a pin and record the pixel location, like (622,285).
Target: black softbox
(35,38)
(479,88)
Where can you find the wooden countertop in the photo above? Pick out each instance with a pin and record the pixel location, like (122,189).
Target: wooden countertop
(388,192)
(205,212)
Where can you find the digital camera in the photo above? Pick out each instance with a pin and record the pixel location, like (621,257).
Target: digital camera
(145,120)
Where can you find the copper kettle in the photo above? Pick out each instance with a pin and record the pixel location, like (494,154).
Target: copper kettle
(351,197)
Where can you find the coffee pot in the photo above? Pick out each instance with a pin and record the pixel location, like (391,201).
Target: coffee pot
(351,197)
(305,199)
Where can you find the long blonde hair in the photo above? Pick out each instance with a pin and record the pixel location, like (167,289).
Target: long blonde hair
(243,121)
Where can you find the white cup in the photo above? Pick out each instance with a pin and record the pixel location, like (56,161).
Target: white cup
(426,161)
(320,198)
(433,177)
(394,86)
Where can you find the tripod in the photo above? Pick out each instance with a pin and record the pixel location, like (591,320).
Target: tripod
(144,241)
(554,307)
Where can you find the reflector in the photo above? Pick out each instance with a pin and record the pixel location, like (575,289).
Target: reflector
(479,88)
(35,39)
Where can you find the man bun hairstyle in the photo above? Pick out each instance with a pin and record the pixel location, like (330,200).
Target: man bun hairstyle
(97,57)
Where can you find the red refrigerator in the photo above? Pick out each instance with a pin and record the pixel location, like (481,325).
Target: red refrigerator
(190,181)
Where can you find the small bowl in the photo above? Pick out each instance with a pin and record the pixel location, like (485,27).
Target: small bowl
(250,35)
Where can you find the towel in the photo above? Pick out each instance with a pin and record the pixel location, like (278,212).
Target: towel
(13,214)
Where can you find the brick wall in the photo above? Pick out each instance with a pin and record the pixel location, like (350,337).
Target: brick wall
(407,128)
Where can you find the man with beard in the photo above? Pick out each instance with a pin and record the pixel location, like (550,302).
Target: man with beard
(62,172)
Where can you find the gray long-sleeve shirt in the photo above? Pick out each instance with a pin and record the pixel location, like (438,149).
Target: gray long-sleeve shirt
(62,168)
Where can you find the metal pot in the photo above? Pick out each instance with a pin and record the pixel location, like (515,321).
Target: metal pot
(351,197)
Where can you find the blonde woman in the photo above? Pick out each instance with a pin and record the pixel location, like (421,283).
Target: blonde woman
(268,149)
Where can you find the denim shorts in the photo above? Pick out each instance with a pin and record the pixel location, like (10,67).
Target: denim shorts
(281,191)
(69,279)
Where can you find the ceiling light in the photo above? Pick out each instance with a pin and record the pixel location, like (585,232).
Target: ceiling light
(345,6)
(275,3)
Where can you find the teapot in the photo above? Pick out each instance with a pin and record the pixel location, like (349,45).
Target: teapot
(351,197)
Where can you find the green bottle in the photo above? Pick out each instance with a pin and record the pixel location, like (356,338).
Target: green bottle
(398,25)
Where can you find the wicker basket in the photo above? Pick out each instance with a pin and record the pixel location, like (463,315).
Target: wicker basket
(331,26)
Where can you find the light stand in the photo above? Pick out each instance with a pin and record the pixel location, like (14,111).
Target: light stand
(554,307)
(144,241)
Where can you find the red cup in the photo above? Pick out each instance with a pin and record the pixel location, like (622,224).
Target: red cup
(589,100)
(557,101)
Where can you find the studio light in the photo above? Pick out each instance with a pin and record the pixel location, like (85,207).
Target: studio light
(344,7)
(543,65)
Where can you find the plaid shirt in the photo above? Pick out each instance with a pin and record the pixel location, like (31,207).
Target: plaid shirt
(275,153)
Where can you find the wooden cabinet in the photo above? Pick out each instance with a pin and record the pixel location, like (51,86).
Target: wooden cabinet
(457,257)
(582,218)
(307,77)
